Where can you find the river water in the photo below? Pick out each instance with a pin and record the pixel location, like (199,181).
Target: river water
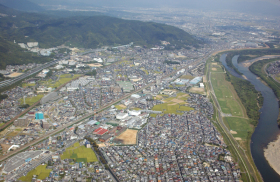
(267,129)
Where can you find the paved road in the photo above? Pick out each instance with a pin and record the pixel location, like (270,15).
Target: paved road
(25,75)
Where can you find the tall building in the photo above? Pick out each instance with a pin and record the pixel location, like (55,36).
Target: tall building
(45,124)
(39,115)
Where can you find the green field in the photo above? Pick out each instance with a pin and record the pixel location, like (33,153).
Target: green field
(118,107)
(62,79)
(40,171)
(240,125)
(28,84)
(31,100)
(173,105)
(226,95)
(79,154)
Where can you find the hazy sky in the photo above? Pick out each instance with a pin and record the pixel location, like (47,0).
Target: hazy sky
(253,6)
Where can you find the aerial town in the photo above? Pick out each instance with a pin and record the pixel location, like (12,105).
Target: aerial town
(125,113)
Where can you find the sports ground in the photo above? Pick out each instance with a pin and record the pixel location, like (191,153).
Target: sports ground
(128,137)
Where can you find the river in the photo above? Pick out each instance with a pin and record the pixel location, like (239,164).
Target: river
(267,129)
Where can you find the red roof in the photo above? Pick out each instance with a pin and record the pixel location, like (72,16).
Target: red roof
(100,131)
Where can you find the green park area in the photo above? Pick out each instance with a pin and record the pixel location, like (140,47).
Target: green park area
(172,105)
(39,171)
(62,79)
(226,95)
(31,100)
(79,153)
(239,127)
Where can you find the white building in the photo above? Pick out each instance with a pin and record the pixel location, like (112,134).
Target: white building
(134,112)
(99,60)
(121,116)
(201,85)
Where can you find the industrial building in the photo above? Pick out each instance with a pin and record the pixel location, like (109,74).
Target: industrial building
(196,80)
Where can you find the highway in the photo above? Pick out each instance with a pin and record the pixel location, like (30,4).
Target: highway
(25,75)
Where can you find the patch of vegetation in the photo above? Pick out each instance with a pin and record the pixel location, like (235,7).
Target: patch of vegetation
(240,125)
(39,171)
(62,80)
(250,98)
(257,67)
(225,96)
(173,105)
(79,154)
(31,100)
(171,62)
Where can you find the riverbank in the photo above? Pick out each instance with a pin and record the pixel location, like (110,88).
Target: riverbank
(272,154)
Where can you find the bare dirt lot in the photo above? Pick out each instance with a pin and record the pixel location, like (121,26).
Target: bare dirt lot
(177,101)
(123,106)
(128,137)
(95,65)
(233,132)
(5,147)
(13,75)
(237,138)
(214,69)
(197,90)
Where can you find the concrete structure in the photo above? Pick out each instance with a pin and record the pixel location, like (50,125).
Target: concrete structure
(45,124)
(48,97)
(201,85)
(21,122)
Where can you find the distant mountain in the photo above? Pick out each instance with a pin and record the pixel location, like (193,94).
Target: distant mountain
(82,31)
(97,31)
(22,5)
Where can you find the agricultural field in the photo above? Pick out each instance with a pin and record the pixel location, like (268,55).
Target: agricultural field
(239,127)
(62,79)
(31,100)
(173,105)
(128,137)
(79,153)
(226,95)
(40,171)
